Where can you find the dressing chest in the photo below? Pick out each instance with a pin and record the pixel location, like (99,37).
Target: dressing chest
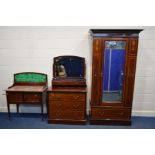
(67,96)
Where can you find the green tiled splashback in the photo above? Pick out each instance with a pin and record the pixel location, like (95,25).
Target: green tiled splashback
(30,77)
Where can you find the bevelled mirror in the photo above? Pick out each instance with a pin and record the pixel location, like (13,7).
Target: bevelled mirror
(113,71)
(72,67)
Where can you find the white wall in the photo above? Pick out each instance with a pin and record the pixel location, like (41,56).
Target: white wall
(33,48)
(144,93)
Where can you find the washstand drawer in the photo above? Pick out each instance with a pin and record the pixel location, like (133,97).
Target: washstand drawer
(32,97)
(66,105)
(67,114)
(67,96)
(14,97)
(107,113)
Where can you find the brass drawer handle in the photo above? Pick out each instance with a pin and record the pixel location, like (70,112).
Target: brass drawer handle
(101,113)
(76,97)
(121,113)
(58,114)
(58,104)
(58,97)
(76,105)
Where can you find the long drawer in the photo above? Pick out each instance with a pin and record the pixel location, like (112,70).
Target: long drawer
(32,97)
(66,105)
(67,96)
(17,97)
(14,97)
(110,113)
(67,114)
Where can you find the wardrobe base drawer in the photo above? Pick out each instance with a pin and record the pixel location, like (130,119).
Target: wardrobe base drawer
(110,122)
(61,96)
(110,113)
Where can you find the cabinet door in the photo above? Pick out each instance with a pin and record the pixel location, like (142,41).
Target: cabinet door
(113,71)
(114,62)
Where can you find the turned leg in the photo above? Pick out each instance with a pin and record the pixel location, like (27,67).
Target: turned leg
(17,105)
(42,111)
(42,106)
(8,105)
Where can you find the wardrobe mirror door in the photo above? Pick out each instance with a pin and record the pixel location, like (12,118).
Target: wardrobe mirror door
(113,71)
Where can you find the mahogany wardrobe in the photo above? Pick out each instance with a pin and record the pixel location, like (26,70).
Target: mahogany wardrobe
(114,54)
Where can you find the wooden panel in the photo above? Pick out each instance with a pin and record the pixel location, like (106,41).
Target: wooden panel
(96,71)
(63,105)
(129,83)
(13,97)
(133,46)
(110,113)
(60,96)
(32,97)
